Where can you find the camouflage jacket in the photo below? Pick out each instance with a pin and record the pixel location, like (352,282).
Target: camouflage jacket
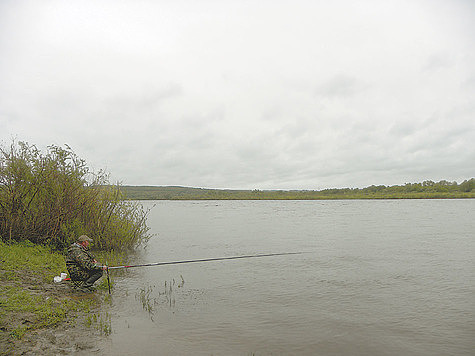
(80,262)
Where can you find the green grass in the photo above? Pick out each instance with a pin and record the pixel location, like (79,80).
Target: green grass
(18,257)
(44,311)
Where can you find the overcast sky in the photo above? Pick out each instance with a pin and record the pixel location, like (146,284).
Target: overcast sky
(245,94)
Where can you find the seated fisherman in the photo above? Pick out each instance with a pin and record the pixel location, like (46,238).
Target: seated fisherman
(83,268)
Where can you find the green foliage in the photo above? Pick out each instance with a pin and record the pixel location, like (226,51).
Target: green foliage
(52,198)
(468,186)
(424,190)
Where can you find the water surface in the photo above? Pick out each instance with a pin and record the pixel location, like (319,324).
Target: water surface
(385,277)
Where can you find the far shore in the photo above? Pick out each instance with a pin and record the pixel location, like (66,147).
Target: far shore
(425,190)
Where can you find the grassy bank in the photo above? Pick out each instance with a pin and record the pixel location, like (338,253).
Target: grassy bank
(29,299)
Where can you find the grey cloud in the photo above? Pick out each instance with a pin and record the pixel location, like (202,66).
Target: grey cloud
(146,99)
(338,86)
(222,95)
(438,61)
(469,83)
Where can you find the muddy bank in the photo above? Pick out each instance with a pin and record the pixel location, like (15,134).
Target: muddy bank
(77,331)
(71,337)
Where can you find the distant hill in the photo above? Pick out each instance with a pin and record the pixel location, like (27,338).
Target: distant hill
(424,190)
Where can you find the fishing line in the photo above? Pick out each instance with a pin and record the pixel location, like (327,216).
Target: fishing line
(207,260)
(196,261)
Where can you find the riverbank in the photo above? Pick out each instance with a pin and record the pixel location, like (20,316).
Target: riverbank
(425,190)
(39,316)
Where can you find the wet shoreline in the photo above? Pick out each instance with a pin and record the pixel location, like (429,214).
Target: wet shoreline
(76,333)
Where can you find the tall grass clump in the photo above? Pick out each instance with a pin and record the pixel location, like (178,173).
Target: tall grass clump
(52,197)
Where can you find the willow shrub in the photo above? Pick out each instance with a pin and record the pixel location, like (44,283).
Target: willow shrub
(53,197)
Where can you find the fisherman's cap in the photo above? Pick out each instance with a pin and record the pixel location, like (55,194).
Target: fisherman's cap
(83,238)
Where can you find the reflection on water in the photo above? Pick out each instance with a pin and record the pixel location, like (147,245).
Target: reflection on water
(144,295)
(149,298)
(381,277)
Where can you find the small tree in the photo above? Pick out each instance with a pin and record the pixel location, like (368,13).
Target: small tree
(467,185)
(52,198)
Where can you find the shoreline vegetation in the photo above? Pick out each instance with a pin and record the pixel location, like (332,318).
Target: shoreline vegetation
(52,198)
(425,190)
(47,200)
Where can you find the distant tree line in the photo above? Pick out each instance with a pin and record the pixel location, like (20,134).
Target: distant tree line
(51,198)
(425,190)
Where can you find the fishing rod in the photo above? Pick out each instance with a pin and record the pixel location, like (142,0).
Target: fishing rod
(196,261)
(207,260)
(108,280)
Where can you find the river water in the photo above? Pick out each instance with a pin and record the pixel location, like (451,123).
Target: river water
(384,277)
